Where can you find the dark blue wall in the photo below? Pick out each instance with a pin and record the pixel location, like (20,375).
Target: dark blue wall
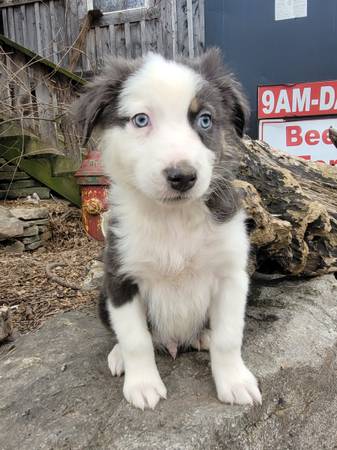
(263,51)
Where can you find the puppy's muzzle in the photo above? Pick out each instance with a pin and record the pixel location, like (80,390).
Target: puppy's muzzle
(181,177)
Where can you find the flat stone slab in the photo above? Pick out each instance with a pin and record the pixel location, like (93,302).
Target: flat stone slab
(31,231)
(29,213)
(29,223)
(57,392)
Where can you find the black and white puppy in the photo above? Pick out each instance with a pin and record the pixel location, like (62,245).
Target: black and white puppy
(177,247)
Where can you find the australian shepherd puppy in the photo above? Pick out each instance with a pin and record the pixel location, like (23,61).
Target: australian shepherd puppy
(176,247)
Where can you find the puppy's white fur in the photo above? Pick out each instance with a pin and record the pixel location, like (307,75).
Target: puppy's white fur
(188,267)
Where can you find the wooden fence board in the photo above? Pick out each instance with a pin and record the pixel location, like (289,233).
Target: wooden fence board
(182,28)
(105,36)
(120,40)
(46,35)
(4,21)
(190,31)
(135,40)
(51,27)
(38,28)
(112,39)
(91,51)
(11,25)
(31,38)
(18,25)
(24,25)
(127,39)
(143,36)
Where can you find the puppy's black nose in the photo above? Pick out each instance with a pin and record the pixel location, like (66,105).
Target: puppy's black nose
(181,178)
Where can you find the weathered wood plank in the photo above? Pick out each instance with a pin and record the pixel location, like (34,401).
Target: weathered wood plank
(81,17)
(9,3)
(202,25)
(182,28)
(190,31)
(166,27)
(73,29)
(53,31)
(35,57)
(127,39)
(131,15)
(143,36)
(46,35)
(11,24)
(160,44)
(4,21)
(61,37)
(105,38)
(73,25)
(151,36)
(18,25)
(91,51)
(44,99)
(31,38)
(112,39)
(38,29)
(23,99)
(4,85)
(24,24)
(98,45)
(174,28)
(120,40)
(135,38)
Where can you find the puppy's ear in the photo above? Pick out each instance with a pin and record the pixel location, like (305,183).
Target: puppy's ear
(214,71)
(98,105)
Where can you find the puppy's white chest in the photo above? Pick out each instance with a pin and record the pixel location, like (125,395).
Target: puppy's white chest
(173,269)
(170,253)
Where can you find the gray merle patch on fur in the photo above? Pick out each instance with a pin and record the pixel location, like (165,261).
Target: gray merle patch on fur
(229,91)
(222,97)
(117,288)
(99,104)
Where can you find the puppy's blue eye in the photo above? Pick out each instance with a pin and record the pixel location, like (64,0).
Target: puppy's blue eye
(141,120)
(205,121)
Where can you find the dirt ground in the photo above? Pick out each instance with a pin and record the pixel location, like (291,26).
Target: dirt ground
(24,285)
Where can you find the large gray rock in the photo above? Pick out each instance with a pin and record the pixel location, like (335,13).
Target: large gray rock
(57,392)
(9,226)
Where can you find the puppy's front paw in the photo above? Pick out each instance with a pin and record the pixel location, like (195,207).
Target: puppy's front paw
(144,390)
(236,384)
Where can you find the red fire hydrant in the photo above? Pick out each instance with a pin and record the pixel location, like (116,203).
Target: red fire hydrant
(94,193)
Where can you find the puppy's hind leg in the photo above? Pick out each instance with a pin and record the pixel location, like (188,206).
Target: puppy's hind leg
(202,343)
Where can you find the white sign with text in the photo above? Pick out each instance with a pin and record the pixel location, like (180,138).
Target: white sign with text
(308,139)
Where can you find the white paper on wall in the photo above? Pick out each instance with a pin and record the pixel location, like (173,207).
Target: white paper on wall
(290,9)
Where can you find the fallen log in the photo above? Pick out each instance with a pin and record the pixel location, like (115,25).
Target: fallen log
(292,211)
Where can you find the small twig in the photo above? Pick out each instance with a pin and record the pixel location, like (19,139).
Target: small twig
(52,276)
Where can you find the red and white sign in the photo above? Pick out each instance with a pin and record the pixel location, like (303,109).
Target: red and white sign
(297,100)
(308,139)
